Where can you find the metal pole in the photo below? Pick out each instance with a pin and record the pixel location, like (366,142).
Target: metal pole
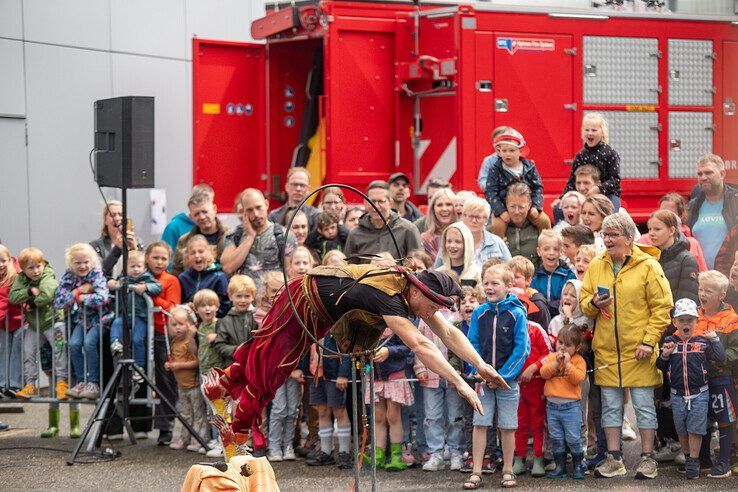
(126,375)
(371,425)
(84,334)
(355,426)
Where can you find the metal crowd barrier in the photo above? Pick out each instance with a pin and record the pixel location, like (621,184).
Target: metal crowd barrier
(26,330)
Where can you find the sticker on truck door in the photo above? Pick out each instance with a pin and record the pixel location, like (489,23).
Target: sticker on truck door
(513,45)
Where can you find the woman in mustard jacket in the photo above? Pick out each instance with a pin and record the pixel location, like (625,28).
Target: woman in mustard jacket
(630,319)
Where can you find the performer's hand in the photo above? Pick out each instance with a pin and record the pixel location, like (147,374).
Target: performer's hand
(381,355)
(467,393)
(341,383)
(491,376)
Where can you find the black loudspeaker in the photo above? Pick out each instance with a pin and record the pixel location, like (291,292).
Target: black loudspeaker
(124,142)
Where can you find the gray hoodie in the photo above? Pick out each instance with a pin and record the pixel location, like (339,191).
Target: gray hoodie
(365,239)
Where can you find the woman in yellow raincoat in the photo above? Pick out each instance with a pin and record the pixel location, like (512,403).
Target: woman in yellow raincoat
(631,312)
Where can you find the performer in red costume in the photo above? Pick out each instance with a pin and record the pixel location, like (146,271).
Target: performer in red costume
(356,303)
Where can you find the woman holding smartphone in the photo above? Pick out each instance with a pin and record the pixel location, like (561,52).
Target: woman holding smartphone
(626,292)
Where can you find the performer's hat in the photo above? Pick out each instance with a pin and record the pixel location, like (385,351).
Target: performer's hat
(437,286)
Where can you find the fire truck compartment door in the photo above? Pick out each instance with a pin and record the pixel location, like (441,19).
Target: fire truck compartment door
(620,70)
(690,72)
(729,116)
(534,82)
(690,136)
(229,118)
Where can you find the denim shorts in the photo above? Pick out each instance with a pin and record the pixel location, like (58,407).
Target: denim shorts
(502,400)
(642,398)
(326,392)
(690,417)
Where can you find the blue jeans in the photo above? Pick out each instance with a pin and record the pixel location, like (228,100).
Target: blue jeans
(90,342)
(436,400)
(283,416)
(564,425)
(11,348)
(138,336)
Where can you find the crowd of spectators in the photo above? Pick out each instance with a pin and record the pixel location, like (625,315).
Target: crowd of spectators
(575,311)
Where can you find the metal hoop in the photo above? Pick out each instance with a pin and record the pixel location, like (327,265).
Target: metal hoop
(284,266)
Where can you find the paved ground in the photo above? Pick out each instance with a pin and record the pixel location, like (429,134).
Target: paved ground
(30,463)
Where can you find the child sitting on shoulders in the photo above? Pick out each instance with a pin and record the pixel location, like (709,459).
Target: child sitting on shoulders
(564,372)
(140,282)
(82,293)
(184,366)
(683,358)
(513,167)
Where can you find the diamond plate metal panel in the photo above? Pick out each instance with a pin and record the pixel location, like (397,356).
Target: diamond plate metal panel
(636,138)
(690,72)
(620,70)
(690,136)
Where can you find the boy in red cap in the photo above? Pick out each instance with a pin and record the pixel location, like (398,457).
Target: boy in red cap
(513,167)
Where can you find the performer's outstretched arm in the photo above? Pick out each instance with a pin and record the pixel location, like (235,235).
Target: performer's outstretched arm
(457,343)
(433,359)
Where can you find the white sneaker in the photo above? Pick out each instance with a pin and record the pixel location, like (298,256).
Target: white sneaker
(141,435)
(667,452)
(434,463)
(628,432)
(211,444)
(216,451)
(275,457)
(457,461)
(289,453)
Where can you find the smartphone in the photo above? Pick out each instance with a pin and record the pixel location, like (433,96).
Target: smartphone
(603,292)
(129,225)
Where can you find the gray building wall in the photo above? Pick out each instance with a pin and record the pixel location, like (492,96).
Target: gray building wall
(56,58)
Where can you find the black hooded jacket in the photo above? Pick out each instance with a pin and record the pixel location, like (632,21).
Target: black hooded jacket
(681,269)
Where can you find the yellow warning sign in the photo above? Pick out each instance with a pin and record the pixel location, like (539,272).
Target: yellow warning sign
(211,108)
(645,108)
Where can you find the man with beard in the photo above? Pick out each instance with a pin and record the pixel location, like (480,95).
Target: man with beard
(253,247)
(202,212)
(399,187)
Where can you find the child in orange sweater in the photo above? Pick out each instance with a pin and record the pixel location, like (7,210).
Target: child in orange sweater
(564,371)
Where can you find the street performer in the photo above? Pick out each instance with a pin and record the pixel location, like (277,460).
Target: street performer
(355,302)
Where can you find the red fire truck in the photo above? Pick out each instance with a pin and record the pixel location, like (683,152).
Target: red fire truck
(359,90)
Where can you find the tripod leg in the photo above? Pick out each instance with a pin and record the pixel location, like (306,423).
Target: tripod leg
(187,425)
(114,379)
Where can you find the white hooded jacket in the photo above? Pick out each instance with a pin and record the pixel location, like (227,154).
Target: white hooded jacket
(471,271)
(578,318)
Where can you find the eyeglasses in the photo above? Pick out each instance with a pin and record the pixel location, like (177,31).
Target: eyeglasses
(476,217)
(611,235)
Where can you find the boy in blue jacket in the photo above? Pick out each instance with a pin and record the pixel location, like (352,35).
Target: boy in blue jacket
(552,272)
(683,358)
(499,332)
